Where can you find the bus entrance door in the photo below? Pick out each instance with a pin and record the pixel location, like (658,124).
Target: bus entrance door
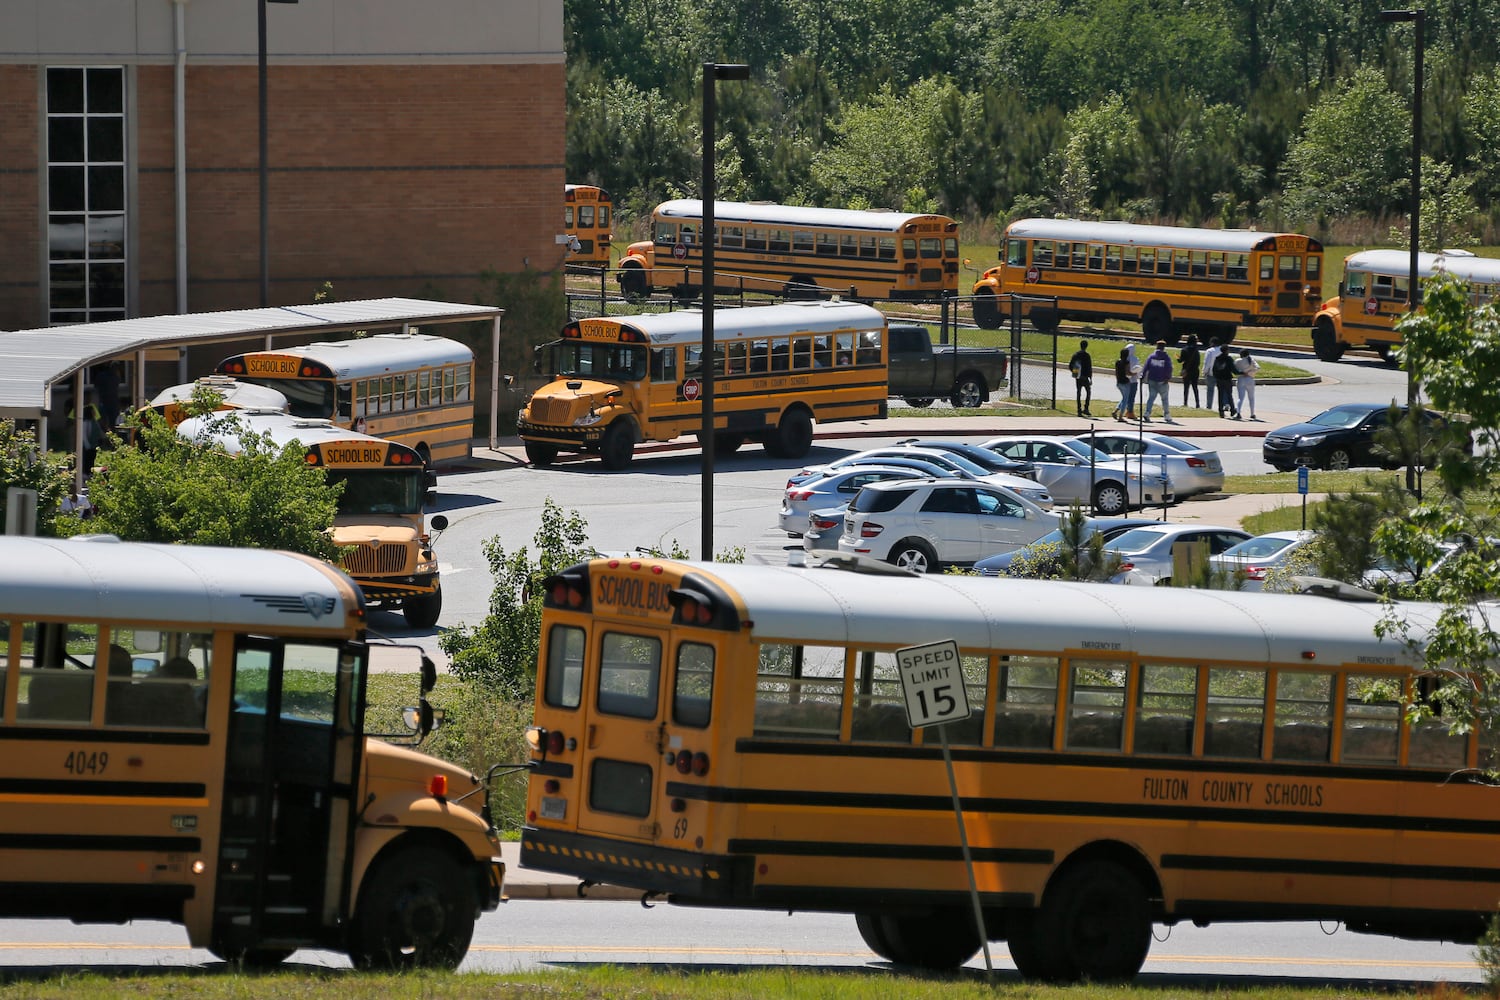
(294,739)
(622,754)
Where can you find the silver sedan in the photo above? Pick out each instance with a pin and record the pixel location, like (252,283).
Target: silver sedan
(836,488)
(1191,469)
(1074,473)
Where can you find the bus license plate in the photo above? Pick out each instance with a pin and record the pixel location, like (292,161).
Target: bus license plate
(554,808)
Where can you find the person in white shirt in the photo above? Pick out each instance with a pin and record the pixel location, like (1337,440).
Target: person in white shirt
(1246,367)
(1208,368)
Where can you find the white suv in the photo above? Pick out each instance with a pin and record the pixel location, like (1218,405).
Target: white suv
(924,524)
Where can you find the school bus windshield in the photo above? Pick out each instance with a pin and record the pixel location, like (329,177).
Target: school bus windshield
(379,491)
(304,397)
(615,361)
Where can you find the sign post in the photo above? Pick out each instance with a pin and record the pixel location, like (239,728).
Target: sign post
(1302,475)
(932,684)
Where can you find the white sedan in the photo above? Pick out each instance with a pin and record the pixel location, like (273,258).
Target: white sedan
(1075,473)
(1191,469)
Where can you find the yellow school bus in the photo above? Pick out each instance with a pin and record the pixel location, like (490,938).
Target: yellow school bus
(379,525)
(1373,295)
(795,252)
(739,736)
(411,388)
(619,381)
(587,219)
(184,740)
(1170,279)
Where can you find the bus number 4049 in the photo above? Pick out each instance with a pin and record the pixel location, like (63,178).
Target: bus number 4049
(86,762)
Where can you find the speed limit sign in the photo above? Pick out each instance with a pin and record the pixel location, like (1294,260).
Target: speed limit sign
(932,681)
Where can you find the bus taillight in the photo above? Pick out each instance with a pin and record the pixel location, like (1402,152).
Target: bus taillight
(691,609)
(555,741)
(700,764)
(566,590)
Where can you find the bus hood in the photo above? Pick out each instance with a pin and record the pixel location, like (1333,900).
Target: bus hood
(395,774)
(572,401)
(374,529)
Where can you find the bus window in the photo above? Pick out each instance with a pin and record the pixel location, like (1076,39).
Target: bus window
(1216,264)
(780,241)
(802,241)
(687,233)
(780,354)
(802,353)
(799,691)
(931,247)
(411,391)
(739,362)
(1304,716)
(1432,745)
(56,681)
(1096,257)
(1315,271)
(1165,710)
(848,245)
(970,731)
(1355,283)
(563,685)
(1015,252)
(603,216)
(869,348)
(1163,262)
(1180,264)
(567,216)
(755,239)
(1096,705)
(1026,704)
(158,679)
(879,711)
(4,663)
(867,246)
(950,247)
(450,385)
(386,388)
(1080,256)
(1147,257)
(1112,255)
(828,245)
(343,394)
(887,248)
(1128,263)
(1372,725)
(1200,264)
(586,216)
(1266,263)
(693,688)
(732,236)
(1384,283)
(398,393)
(666,233)
(908,249)
(822,352)
(424,387)
(1041,253)
(1236,713)
(1237,266)
(1289,267)
(629,675)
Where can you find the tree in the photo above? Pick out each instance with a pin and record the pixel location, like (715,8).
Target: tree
(1076,556)
(1352,153)
(24,464)
(166,488)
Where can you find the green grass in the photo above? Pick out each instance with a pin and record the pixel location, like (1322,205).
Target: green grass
(653,983)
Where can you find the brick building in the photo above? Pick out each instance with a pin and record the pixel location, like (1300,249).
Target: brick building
(413,145)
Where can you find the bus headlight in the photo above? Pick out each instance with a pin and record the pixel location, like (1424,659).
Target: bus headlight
(587,420)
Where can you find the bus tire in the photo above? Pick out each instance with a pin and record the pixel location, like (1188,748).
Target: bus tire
(1110,499)
(249,958)
(800,289)
(943,939)
(872,930)
(633,284)
(793,436)
(1325,342)
(986,310)
(969,392)
(416,911)
(916,556)
(1045,319)
(1156,324)
(422,610)
(1035,959)
(727,443)
(1098,919)
(540,453)
(617,446)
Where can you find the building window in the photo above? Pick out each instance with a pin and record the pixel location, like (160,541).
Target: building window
(85,194)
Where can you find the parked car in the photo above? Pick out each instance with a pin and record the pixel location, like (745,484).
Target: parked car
(1146,552)
(924,525)
(1110,527)
(1341,437)
(824,529)
(1063,466)
(1191,469)
(922,465)
(921,371)
(978,454)
(835,488)
(1388,574)
(1028,488)
(1256,557)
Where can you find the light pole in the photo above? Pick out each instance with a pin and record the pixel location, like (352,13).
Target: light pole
(711,73)
(1418,18)
(265,211)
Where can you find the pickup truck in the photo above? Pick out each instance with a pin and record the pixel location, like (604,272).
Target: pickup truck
(921,372)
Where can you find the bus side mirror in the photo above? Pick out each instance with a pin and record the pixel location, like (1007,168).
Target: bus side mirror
(438,522)
(429,674)
(1341,289)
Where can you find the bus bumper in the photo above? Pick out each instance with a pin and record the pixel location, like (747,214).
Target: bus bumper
(651,869)
(570,438)
(396,588)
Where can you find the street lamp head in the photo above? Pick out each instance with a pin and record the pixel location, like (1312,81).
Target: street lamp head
(1403,15)
(728,71)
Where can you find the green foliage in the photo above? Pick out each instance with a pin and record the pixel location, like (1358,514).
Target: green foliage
(25,465)
(1352,152)
(1448,210)
(1074,557)
(500,653)
(165,488)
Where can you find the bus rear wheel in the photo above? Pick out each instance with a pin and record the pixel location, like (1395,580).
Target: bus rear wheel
(1045,319)
(250,958)
(1094,924)
(793,435)
(1156,324)
(944,939)
(986,311)
(416,911)
(422,610)
(617,445)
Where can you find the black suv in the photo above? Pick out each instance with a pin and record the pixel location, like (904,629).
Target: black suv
(1341,438)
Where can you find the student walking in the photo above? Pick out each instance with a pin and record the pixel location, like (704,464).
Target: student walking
(1159,383)
(1246,367)
(1082,368)
(1223,374)
(1209,382)
(1125,382)
(1190,361)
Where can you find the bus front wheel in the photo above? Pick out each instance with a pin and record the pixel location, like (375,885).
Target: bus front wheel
(1325,342)
(793,435)
(422,610)
(617,445)
(416,911)
(633,284)
(250,958)
(944,939)
(541,454)
(986,311)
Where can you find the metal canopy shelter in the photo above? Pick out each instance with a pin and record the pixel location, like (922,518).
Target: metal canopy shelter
(33,362)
